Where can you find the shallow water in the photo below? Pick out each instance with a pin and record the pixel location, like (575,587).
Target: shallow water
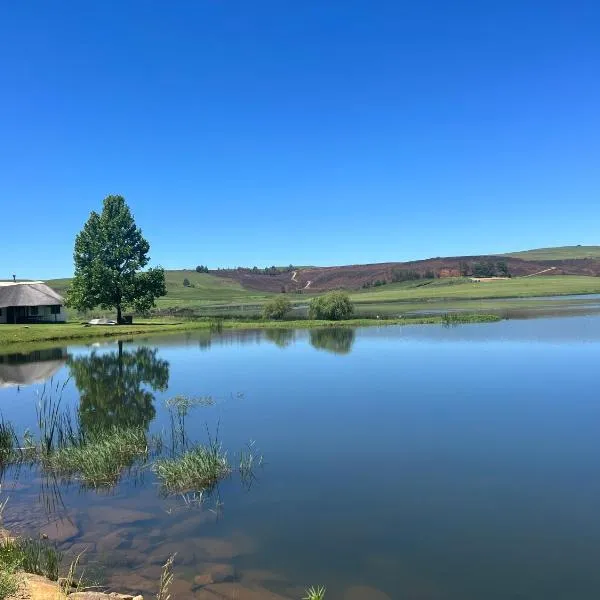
(401,462)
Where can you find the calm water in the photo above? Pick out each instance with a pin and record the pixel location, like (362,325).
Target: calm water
(419,462)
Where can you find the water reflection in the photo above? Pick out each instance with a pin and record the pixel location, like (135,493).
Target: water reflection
(33,367)
(338,340)
(280,337)
(111,386)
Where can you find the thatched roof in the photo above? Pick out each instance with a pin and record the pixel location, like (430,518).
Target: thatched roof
(28,293)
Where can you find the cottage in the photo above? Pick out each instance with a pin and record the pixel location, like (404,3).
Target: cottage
(30,302)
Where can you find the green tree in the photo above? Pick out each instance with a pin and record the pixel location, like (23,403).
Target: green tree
(333,306)
(110,253)
(113,386)
(276,308)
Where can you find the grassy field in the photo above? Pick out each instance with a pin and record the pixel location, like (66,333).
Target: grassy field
(558,253)
(465,289)
(205,288)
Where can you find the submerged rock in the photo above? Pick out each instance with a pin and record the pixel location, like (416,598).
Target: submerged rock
(215,573)
(102,596)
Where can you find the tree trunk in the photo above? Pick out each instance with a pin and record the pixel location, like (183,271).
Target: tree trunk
(119,316)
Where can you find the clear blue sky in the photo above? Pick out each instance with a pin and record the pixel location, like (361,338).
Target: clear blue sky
(307,132)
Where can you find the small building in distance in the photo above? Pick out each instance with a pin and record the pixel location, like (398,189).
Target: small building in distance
(30,302)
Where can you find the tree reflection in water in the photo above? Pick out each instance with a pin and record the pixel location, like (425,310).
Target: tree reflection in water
(338,340)
(113,388)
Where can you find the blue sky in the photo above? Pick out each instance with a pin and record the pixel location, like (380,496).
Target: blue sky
(313,132)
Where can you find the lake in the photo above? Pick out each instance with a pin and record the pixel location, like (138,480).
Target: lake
(416,462)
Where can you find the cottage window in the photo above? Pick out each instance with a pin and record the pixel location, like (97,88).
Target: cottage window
(55,309)
(0,312)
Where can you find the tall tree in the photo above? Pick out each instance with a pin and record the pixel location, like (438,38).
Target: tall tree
(110,253)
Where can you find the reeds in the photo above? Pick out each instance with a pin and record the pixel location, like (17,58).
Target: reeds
(194,470)
(315,593)
(100,460)
(32,556)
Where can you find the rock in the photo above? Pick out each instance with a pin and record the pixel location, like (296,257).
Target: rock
(117,516)
(211,548)
(111,542)
(102,596)
(215,573)
(40,588)
(60,531)
(235,590)
(363,592)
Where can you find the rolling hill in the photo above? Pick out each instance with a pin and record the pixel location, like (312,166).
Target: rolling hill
(558,253)
(431,278)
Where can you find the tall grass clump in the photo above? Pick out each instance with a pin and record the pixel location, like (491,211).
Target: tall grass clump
(101,458)
(197,469)
(8,441)
(9,582)
(31,556)
(315,593)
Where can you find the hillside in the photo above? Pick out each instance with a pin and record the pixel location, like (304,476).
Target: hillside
(204,287)
(428,279)
(558,253)
(355,277)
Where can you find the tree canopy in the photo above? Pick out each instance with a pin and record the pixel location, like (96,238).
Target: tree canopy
(110,253)
(333,306)
(276,308)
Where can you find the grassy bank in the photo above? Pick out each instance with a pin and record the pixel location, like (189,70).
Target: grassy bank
(14,338)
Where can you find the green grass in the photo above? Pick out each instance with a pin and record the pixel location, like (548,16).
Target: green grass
(197,469)
(38,557)
(465,289)
(100,460)
(558,253)
(315,593)
(9,583)
(205,288)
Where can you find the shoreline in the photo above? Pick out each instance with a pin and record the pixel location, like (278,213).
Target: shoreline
(15,338)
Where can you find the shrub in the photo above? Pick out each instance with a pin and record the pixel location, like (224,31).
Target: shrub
(186,282)
(333,306)
(277,308)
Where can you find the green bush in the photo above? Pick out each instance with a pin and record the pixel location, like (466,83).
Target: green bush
(333,306)
(276,308)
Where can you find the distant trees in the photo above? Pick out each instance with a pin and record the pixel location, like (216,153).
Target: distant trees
(201,269)
(490,269)
(333,306)
(277,308)
(110,253)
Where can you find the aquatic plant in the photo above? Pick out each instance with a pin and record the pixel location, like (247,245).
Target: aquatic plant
(197,469)
(166,579)
(100,460)
(250,460)
(315,593)
(8,440)
(70,582)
